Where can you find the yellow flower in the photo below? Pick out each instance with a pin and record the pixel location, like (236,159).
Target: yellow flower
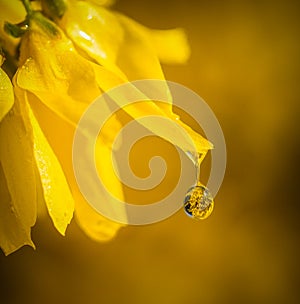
(121,44)
(22,146)
(18,179)
(59,84)
(17,175)
(53,86)
(130,51)
(6,93)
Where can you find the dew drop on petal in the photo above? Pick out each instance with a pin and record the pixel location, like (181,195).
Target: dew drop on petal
(198,202)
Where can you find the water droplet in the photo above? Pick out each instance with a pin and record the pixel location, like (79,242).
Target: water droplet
(198,202)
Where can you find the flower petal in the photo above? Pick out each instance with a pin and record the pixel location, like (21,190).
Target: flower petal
(137,56)
(56,67)
(96,31)
(18,212)
(94,224)
(171,46)
(60,135)
(6,94)
(60,84)
(113,40)
(13,233)
(57,74)
(169,132)
(117,42)
(56,192)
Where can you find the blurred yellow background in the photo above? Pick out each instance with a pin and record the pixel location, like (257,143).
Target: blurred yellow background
(245,63)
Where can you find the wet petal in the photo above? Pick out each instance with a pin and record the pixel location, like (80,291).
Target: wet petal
(113,40)
(60,136)
(56,192)
(18,213)
(96,31)
(176,131)
(119,42)
(6,94)
(57,74)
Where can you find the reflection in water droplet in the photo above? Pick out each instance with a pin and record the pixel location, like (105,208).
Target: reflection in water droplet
(198,202)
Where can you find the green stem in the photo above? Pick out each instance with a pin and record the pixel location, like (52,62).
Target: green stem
(27,6)
(44,23)
(14,30)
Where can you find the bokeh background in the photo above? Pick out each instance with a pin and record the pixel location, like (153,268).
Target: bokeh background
(245,63)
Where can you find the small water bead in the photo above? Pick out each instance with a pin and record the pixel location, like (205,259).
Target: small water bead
(198,202)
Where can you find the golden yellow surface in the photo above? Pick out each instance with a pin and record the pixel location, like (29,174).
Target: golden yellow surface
(245,64)
(6,93)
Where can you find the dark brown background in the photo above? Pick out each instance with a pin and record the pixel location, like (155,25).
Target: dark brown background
(245,64)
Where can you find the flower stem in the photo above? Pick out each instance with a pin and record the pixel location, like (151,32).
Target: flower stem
(27,6)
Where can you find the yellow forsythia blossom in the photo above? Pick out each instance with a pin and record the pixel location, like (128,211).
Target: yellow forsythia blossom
(121,44)
(129,50)
(63,67)
(59,84)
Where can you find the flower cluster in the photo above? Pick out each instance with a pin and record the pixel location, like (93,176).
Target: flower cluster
(66,54)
